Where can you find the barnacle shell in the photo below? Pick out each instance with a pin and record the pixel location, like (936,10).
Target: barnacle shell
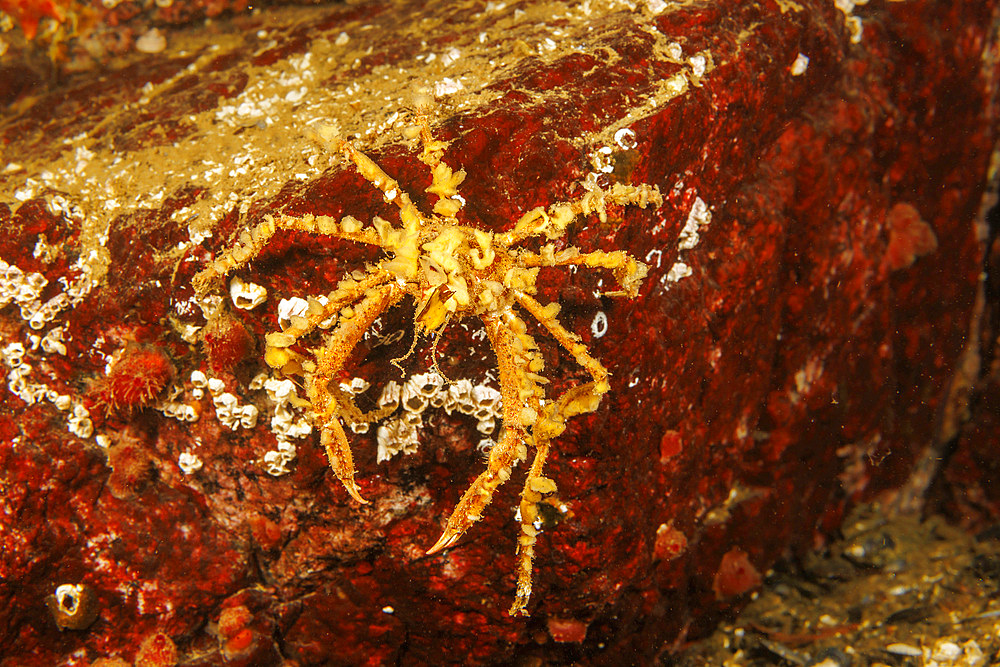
(73,606)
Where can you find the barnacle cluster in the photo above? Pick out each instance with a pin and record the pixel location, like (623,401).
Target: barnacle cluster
(452,271)
(399,434)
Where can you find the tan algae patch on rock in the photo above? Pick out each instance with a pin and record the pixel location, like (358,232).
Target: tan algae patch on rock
(356,72)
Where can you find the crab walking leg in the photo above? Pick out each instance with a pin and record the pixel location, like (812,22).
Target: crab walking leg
(551,423)
(329,361)
(353,415)
(534,487)
(391,191)
(570,341)
(278,353)
(348,291)
(250,242)
(628,271)
(513,382)
(338,453)
(431,155)
(554,221)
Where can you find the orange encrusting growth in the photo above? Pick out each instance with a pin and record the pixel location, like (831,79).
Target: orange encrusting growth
(28,13)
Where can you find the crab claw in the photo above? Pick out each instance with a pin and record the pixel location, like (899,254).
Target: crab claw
(448,538)
(334,440)
(352,489)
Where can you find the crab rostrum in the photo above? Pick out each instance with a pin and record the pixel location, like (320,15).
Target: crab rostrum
(452,271)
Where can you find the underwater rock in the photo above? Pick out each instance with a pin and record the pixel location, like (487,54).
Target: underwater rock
(786,355)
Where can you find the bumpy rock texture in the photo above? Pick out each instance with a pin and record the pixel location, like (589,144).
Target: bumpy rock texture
(813,279)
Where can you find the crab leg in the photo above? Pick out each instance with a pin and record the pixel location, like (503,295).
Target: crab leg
(534,486)
(432,147)
(551,423)
(569,341)
(391,190)
(628,271)
(519,394)
(252,241)
(554,221)
(329,361)
(278,353)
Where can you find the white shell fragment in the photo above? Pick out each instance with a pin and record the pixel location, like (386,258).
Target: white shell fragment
(800,65)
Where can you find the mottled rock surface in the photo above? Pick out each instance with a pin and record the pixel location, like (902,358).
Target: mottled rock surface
(813,274)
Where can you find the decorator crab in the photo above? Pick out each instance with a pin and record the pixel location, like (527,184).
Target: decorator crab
(452,271)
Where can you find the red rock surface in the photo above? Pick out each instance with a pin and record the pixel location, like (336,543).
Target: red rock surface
(797,368)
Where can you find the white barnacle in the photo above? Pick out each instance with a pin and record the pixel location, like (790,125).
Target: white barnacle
(246,296)
(855,28)
(189,463)
(390,395)
(80,426)
(599,326)
(700,216)
(248,416)
(279,391)
(215,386)
(257,382)
(13,354)
(412,399)
(698,65)
(625,138)
(394,437)
(276,462)
(288,308)
(486,399)
(151,41)
(355,386)
(677,271)
(459,396)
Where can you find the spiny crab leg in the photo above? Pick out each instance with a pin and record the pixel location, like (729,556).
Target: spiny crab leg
(338,452)
(445,183)
(389,186)
(551,423)
(534,486)
(352,414)
(570,341)
(278,353)
(520,395)
(250,242)
(329,360)
(628,271)
(553,222)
